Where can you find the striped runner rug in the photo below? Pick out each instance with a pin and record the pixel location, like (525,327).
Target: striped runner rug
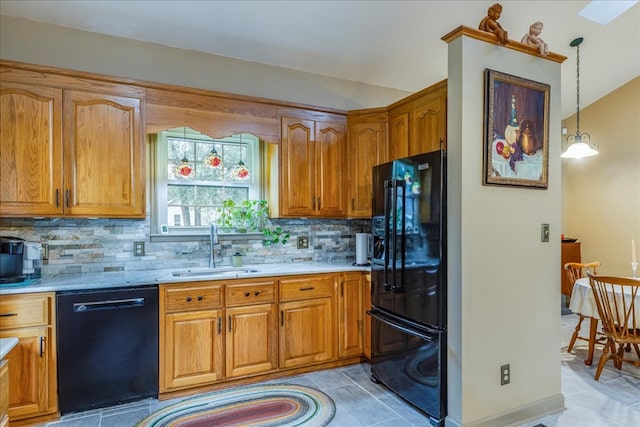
(283,405)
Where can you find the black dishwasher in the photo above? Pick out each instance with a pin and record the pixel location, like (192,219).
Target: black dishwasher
(107,347)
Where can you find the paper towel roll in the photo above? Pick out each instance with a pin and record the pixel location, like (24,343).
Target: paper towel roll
(362,248)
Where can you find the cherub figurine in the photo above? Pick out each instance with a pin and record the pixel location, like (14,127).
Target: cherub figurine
(490,23)
(533,38)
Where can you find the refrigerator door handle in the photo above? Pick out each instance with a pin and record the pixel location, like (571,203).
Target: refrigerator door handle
(398,283)
(393,224)
(399,326)
(386,286)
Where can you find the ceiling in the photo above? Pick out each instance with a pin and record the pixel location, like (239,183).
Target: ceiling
(395,44)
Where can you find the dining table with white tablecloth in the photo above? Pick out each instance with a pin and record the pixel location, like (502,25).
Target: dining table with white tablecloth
(583,302)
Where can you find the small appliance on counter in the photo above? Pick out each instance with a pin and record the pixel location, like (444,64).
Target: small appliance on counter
(11,256)
(20,261)
(32,260)
(362,249)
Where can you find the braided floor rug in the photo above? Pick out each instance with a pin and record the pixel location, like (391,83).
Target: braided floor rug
(270,405)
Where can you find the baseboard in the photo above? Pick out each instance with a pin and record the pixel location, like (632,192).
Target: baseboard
(517,416)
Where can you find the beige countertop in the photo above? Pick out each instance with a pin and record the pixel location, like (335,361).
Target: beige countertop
(89,281)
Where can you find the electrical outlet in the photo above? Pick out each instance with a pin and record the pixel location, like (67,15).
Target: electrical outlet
(138,248)
(303,242)
(544,233)
(505,374)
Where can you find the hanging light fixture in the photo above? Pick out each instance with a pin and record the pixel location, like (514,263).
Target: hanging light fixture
(183,169)
(213,159)
(579,143)
(241,170)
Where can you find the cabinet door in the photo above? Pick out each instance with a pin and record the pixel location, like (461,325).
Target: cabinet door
(429,124)
(367,142)
(297,196)
(104,156)
(251,341)
(30,150)
(350,315)
(191,349)
(330,176)
(399,136)
(306,332)
(366,300)
(28,372)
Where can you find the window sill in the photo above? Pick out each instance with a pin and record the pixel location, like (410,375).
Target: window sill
(195,237)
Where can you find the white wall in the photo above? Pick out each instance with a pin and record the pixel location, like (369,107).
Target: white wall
(601,194)
(36,43)
(503,281)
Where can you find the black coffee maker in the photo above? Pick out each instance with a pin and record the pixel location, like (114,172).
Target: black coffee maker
(11,257)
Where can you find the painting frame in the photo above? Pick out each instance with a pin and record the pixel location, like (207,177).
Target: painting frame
(516,131)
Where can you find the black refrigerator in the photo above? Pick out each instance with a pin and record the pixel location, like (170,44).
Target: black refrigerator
(409,281)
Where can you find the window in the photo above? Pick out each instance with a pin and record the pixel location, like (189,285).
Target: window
(195,173)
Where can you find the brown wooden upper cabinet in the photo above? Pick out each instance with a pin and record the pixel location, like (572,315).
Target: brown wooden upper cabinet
(418,123)
(70,152)
(312,168)
(367,145)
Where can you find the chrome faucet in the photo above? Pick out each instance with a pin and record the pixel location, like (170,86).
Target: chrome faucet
(213,239)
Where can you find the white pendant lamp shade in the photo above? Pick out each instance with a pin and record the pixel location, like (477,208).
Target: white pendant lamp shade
(579,143)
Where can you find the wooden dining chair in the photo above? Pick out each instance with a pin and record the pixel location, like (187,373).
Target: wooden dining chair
(618,303)
(575,271)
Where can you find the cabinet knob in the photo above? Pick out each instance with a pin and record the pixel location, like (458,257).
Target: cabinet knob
(256,293)
(188,299)
(200,297)
(246,294)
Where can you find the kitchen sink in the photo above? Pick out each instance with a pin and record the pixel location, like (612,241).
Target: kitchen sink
(192,272)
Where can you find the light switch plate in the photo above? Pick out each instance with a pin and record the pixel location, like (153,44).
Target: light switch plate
(544,233)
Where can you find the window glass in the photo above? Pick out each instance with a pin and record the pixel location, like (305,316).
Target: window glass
(196,173)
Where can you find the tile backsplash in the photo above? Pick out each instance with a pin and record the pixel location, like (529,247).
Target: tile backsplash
(100,245)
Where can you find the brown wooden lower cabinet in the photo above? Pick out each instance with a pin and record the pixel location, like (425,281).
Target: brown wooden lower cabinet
(366,298)
(350,315)
(306,320)
(33,375)
(4,393)
(252,328)
(230,330)
(191,335)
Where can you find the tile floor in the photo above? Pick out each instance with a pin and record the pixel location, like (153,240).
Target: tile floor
(359,402)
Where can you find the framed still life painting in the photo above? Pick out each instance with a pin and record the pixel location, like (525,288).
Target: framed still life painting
(516,139)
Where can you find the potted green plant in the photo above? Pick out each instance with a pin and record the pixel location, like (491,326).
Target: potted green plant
(250,215)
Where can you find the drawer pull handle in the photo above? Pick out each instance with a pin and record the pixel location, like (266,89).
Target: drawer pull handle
(189,299)
(8,314)
(41,347)
(256,293)
(246,294)
(310,288)
(200,297)
(229,319)
(219,325)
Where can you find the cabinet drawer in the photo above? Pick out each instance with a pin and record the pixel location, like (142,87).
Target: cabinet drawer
(17,311)
(250,293)
(306,287)
(187,298)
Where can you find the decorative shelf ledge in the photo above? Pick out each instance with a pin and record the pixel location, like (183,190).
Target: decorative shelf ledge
(491,38)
